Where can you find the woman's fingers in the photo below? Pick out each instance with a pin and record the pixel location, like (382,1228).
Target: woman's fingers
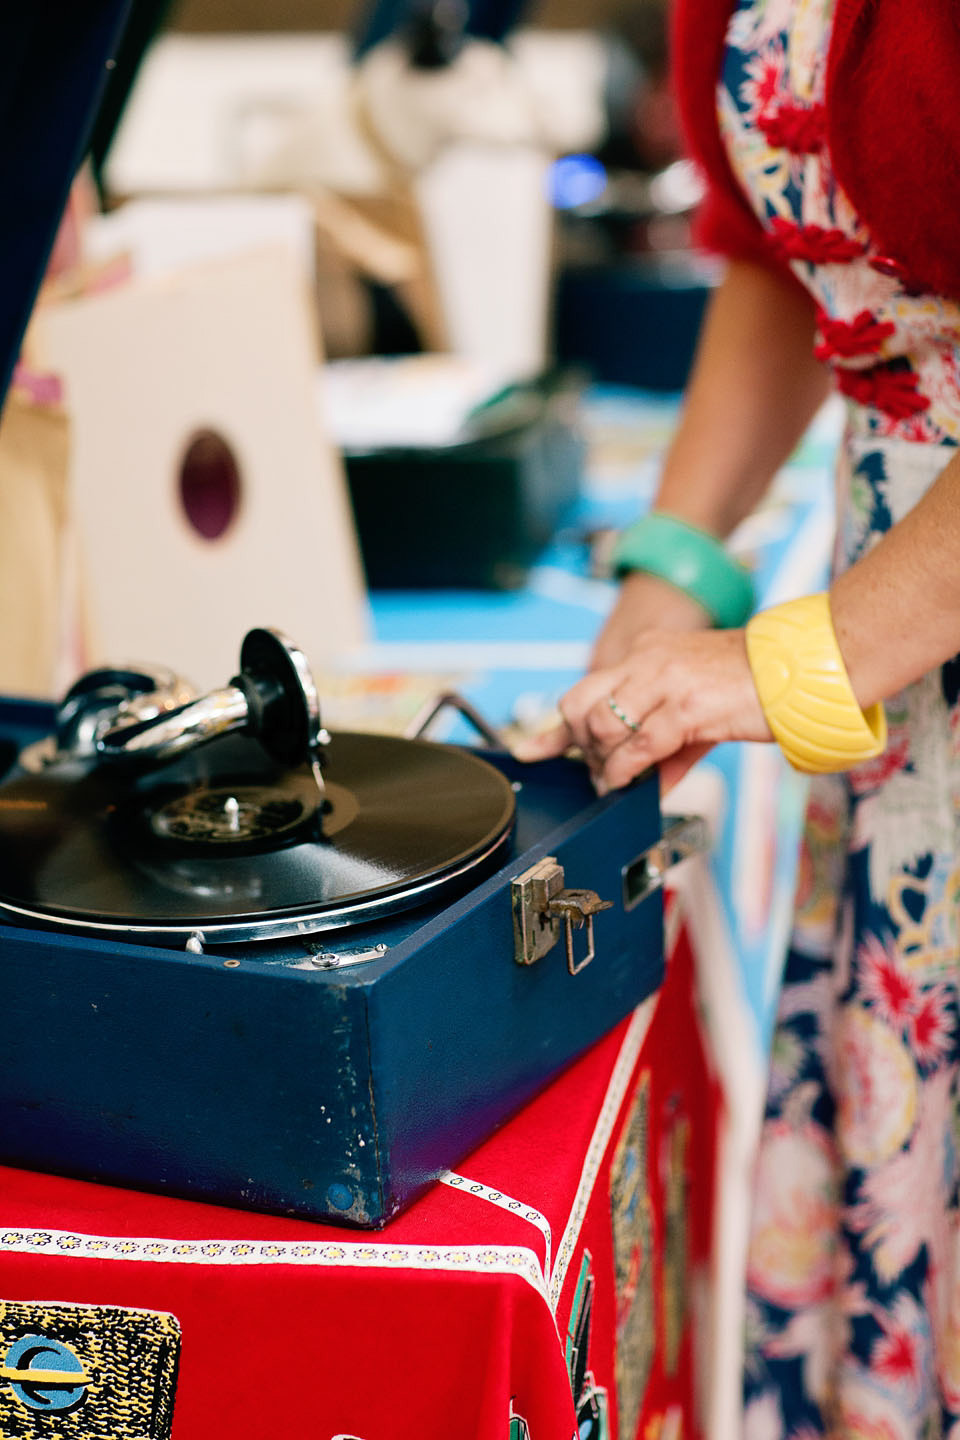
(618,716)
(574,708)
(686,691)
(543,747)
(662,737)
(577,708)
(674,695)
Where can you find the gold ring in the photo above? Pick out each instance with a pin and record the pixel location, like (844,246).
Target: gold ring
(622,715)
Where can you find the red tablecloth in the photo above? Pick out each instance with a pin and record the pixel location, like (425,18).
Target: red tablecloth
(543,1290)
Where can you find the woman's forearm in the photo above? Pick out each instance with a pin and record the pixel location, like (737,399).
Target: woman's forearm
(754,389)
(896,612)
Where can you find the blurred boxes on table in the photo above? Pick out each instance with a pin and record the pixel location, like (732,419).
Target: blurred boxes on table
(454,483)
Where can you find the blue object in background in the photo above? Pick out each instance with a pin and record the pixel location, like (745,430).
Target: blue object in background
(575,180)
(632,321)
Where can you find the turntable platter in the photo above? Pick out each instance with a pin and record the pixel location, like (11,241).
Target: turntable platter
(227,843)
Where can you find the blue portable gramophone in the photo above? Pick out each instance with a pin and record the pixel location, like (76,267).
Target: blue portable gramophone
(248,961)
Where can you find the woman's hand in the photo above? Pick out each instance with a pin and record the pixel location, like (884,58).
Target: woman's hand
(645,602)
(754,388)
(675,695)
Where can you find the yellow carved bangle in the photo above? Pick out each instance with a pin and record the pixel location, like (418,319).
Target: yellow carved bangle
(805,690)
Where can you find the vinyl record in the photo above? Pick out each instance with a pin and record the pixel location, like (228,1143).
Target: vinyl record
(227,844)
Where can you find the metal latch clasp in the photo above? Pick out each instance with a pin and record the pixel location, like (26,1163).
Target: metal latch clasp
(542,905)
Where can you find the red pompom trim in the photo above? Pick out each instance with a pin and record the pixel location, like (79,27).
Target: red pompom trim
(801,129)
(863,335)
(894,391)
(814,243)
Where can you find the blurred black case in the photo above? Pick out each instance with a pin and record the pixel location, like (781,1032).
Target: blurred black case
(477,514)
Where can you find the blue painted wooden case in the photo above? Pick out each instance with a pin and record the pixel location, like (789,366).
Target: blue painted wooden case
(249,1076)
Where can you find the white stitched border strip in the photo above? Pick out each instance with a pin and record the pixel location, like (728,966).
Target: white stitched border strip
(505,1202)
(616,1089)
(517,1260)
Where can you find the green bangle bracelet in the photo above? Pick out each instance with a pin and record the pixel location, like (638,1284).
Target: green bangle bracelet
(693,561)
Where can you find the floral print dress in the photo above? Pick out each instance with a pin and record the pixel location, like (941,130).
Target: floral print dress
(854,1265)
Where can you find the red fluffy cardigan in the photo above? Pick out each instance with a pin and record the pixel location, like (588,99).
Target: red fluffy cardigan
(893,129)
